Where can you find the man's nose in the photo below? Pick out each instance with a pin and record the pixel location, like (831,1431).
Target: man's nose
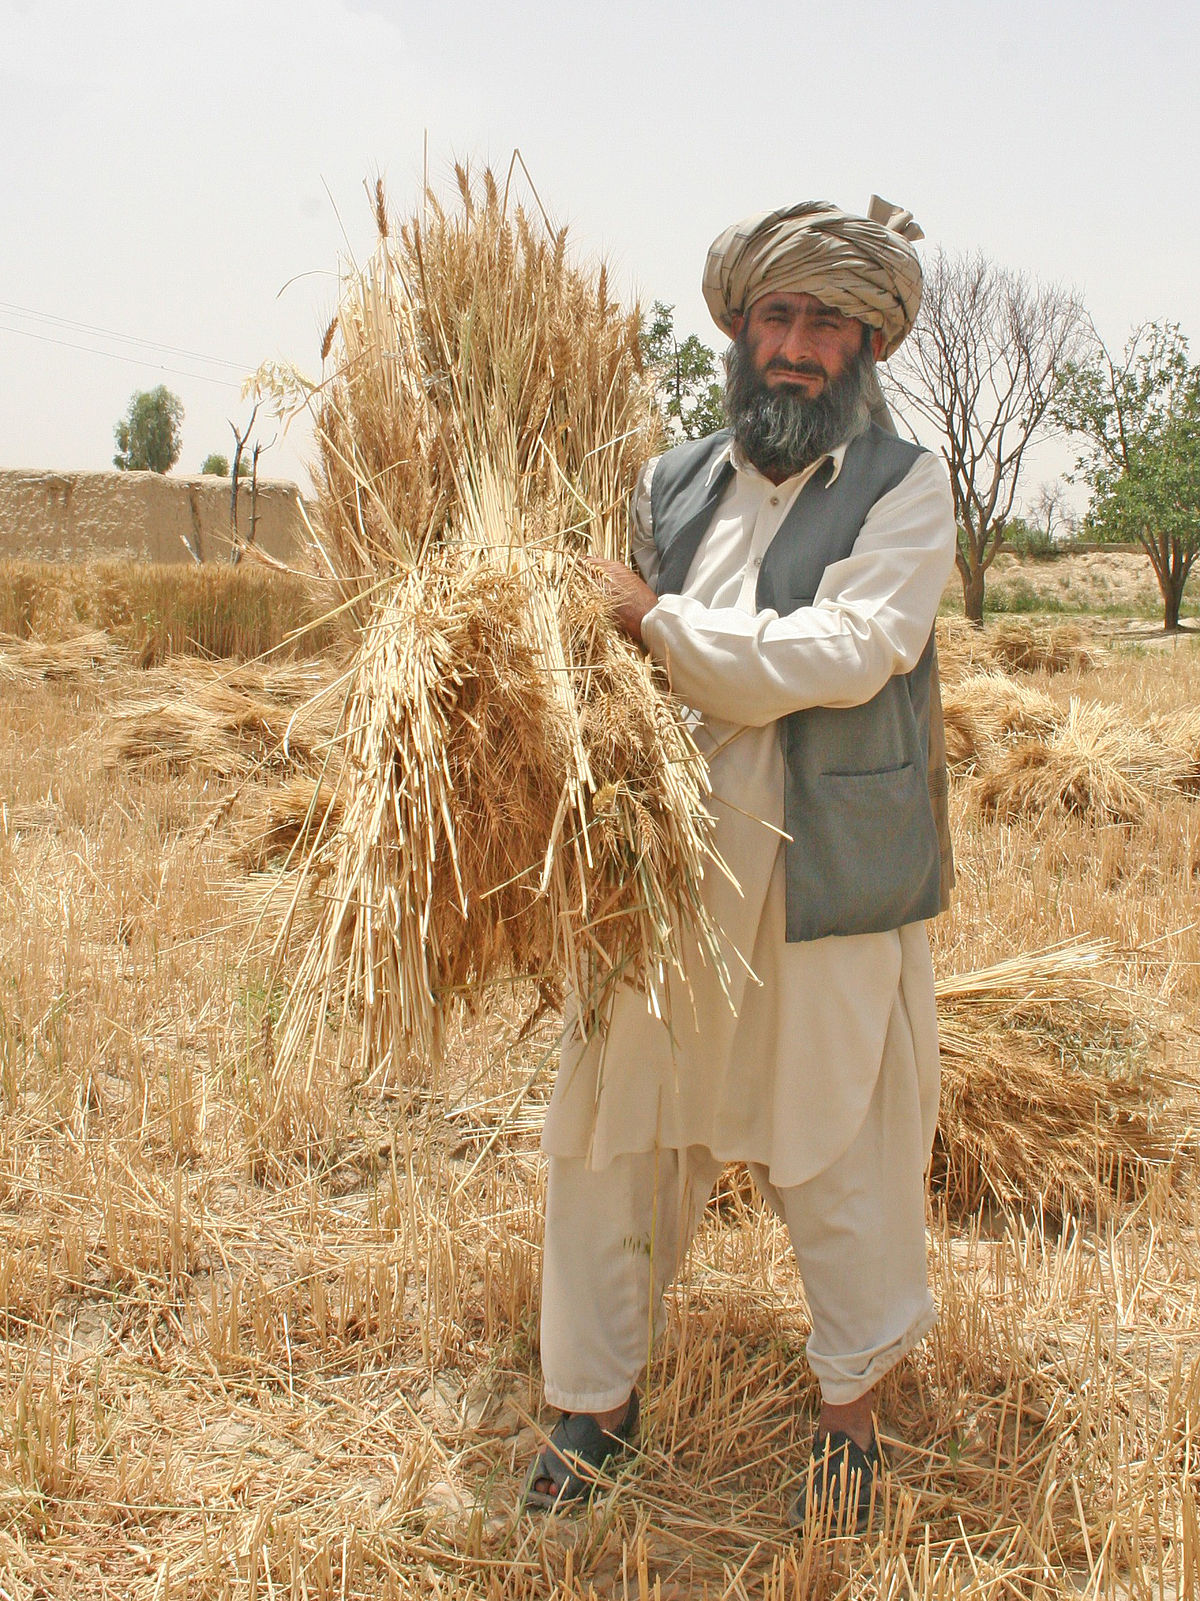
(797,346)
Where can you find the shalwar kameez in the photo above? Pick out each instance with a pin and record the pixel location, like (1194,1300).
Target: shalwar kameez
(819,1068)
(816,1061)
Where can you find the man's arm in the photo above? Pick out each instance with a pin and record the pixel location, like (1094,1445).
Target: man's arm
(871,618)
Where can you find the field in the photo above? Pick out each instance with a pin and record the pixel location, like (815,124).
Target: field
(281,1340)
(1115,587)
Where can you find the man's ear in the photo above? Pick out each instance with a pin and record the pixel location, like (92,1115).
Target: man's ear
(876,343)
(737,321)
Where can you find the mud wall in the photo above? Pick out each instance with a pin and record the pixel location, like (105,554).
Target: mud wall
(80,516)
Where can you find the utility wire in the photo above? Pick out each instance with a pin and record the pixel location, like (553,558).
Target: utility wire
(111,333)
(132,361)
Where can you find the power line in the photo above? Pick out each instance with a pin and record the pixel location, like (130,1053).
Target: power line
(112,333)
(112,355)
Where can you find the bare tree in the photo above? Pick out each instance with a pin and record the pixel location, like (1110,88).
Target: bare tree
(982,365)
(236,543)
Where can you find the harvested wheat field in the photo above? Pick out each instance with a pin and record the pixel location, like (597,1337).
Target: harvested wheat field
(259,1348)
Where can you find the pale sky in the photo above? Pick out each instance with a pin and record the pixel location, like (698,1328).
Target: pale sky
(180,173)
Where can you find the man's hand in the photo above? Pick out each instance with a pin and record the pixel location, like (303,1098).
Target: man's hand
(629,599)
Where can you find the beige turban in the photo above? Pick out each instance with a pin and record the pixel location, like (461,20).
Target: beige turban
(866,266)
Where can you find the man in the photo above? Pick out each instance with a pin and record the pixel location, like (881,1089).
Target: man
(791,572)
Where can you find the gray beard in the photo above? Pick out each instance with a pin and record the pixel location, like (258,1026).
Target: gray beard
(783,432)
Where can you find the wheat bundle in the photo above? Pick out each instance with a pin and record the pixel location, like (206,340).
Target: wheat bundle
(211,725)
(1174,741)
(283,822)
(1044,1102)
(963,739)
(1093,766)
(519,797)
(962,648)
(1055,648)
(986,710)
(37,660)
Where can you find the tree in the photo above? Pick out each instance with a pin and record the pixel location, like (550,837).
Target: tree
(982,365)
(216,465)
(1049,522)
(240,438)
(149,436)
(1052,514)
(686,387)
(1139,418)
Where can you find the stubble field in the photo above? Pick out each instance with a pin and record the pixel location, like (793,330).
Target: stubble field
(279,1339)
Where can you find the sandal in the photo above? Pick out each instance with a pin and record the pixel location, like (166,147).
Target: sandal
(840,1484)
(577,1451)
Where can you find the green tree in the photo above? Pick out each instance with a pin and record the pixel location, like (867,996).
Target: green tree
(149,436)
(689,394)
(1139,419)
(217,466)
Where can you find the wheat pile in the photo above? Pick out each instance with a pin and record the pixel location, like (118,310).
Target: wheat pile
(1047,1099)
(1048,648)
(986,711)
(1028,755)
(78,653)
(518,798)
(1092,765)
(230,723)
(284,821)
(1176,736)
(1012,646)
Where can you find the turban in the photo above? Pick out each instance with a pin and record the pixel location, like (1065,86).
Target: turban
(865,267)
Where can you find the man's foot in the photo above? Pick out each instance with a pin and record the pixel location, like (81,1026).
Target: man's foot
(855,1418)
(579,1448)
(839,1486)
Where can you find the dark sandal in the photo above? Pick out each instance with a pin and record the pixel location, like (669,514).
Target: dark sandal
(839,1485)
(577,1452)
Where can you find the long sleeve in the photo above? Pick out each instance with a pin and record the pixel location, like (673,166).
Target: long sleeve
(871,618)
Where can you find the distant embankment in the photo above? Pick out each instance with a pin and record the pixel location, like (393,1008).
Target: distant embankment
(81,516)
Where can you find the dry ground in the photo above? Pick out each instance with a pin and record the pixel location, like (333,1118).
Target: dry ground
(251,1358)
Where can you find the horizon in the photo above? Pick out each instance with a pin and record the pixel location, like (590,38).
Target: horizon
(216,213)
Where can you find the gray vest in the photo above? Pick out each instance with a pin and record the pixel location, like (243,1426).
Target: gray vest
(863,853)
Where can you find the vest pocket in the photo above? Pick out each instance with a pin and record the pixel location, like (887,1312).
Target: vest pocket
(868,772)
(865,856)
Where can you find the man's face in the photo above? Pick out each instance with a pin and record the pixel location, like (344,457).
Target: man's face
(798,344)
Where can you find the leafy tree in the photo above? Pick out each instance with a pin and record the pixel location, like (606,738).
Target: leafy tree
(982,364)
(1027,538)
(1139,419)
(689,394)
(149,436)
(217,466)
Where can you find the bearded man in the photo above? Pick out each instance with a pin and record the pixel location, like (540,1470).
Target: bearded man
(791,568)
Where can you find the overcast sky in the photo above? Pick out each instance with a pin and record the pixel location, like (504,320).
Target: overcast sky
(182,173)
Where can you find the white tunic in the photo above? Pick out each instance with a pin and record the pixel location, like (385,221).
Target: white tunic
(784,1075)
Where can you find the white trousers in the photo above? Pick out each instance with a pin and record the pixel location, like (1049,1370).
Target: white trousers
(615,1238)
